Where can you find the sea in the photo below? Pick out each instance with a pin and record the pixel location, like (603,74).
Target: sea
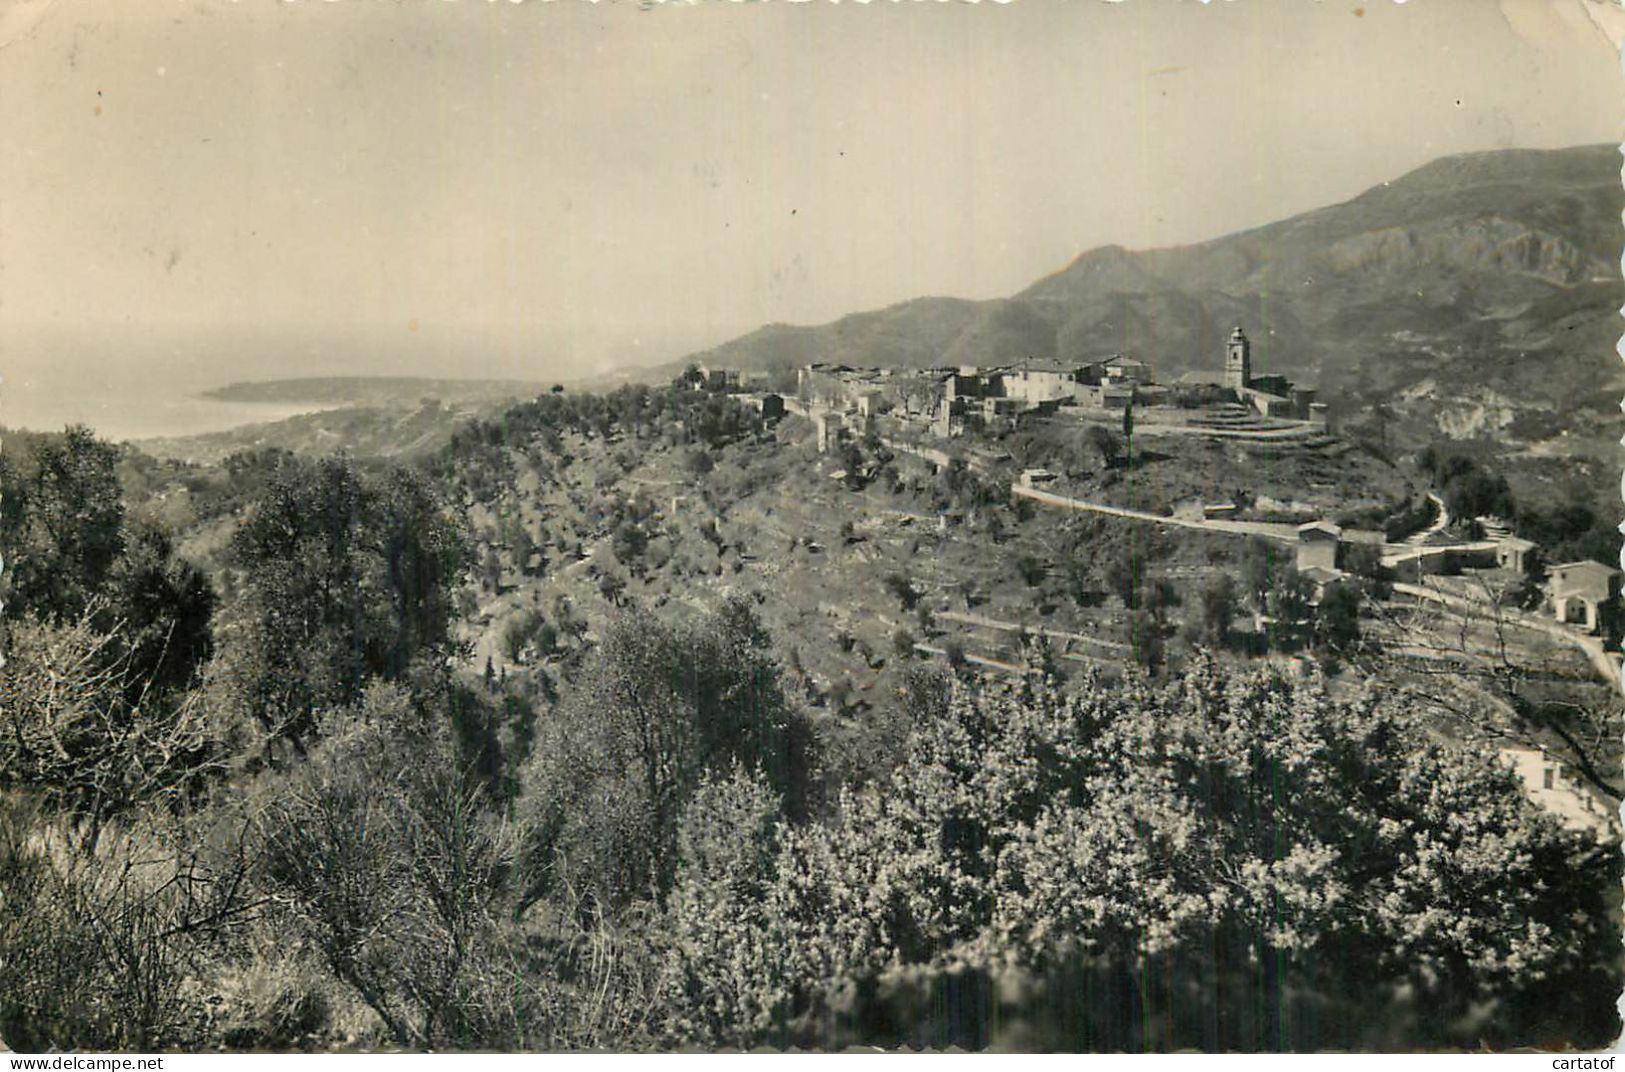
(145,384)
(124,409)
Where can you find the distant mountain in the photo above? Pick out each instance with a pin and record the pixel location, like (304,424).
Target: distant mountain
(1478,291)
(373,391)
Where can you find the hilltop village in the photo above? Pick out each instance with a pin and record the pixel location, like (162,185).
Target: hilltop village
(1476,568)
(849,404)
(957,401)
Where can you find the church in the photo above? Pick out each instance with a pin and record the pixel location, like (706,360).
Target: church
(1272,395)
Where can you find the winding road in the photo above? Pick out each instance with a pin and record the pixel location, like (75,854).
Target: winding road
(1606,664)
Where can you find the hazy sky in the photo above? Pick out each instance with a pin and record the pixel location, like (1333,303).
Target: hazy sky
(530,188)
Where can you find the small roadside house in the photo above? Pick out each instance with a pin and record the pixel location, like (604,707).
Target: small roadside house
(1514,553)
(1317,546)
(1579,589)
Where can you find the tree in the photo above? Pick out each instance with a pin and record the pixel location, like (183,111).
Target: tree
(660,705)
(1106,444)
(1216,609)
(629,542)
(611,585)
(64,523)
(1125,577)
(81,732)
(1364,560)
(1262,563)
(104,947)
(347,576)
(387,862)
(1337,617)
(1290,606)
(1158,597)
(521,633)
(1477,494)
(722,982)
(901,587)
(1145,634)
(160,608)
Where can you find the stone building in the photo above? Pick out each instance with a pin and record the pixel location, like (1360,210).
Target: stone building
(1550,784)
(1515,553)
(1317,548)
(1238,361)
(1128,371)
(1103,396)
(1579,591)
(719,380)
(1272,395)
(1038,384)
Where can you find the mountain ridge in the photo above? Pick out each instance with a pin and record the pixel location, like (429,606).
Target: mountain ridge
(1497,267)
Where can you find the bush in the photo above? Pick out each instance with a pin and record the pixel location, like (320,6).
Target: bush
(399,876)
(901,587)
(104,945)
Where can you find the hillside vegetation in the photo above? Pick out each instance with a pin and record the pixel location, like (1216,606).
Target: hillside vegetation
(381,431)
(631,720)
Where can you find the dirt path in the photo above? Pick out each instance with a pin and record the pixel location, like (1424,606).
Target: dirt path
(1440,521)
(1604,663)
(1016,627)
(1268,529)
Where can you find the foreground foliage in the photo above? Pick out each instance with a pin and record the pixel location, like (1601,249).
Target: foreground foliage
(290,822)
(1112,869)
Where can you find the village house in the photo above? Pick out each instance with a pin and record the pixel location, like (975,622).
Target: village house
(828,428)
(827,386)
(1120,370)
(1317,546)
(1103,396)
(1515,553)
(1550,785)
(952,401)
(1327,552)
(1580,589)
(1037,384)
(719,380)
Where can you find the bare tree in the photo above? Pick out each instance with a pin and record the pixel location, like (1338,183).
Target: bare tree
(79,732)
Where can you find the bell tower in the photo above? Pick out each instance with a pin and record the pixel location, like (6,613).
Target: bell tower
(1238,362)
